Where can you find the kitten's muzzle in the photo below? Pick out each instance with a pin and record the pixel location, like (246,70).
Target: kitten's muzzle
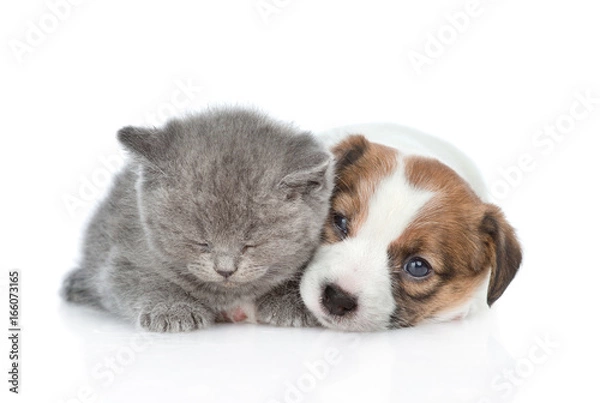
(337,301)
(225,266)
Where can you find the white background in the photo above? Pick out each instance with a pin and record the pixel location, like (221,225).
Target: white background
(68,83)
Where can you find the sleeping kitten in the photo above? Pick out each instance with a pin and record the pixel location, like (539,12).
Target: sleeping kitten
(212,213)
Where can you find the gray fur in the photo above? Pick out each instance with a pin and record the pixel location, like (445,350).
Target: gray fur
(254,189)
(283,306)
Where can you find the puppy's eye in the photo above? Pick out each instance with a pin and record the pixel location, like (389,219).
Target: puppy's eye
(341,224)
(417,267)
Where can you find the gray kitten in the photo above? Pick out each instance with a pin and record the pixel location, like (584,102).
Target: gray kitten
(214,212)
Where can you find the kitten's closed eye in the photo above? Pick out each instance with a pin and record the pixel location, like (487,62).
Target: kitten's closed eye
(201,245)
(248,247)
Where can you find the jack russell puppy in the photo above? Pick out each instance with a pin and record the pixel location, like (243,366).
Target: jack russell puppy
(410,237)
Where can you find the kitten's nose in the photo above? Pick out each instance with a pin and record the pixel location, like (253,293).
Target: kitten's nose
(225,273)
(225,266)
(337,301)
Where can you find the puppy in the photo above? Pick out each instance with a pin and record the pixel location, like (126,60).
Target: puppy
(410,237)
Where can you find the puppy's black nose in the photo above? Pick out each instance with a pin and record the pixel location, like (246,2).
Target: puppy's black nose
(337,301)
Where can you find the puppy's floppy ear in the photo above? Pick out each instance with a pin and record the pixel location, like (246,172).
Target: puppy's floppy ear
(149,143)
(309,178)
(505,251)
(349,151)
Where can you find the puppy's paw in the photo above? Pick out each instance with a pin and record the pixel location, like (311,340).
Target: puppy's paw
(176,317)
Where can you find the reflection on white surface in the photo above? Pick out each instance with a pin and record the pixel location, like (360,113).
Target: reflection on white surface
(453,362)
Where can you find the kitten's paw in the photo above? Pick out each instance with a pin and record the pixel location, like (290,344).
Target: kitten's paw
(177,317)
(303,320)
(285,316)
(283,306)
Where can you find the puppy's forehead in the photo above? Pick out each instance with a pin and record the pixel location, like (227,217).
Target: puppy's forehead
(453,208)
(431,174)
(383,191)
(394,205)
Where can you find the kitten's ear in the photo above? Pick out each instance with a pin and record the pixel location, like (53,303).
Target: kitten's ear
(505,251)
(149,143)
(309,179)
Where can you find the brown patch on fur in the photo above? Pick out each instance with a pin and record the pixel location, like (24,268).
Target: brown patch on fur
(360,166)
(460,236)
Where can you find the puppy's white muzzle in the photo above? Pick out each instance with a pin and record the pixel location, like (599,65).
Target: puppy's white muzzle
(348,286)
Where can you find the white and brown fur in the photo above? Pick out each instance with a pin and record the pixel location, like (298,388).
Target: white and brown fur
(407,194)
